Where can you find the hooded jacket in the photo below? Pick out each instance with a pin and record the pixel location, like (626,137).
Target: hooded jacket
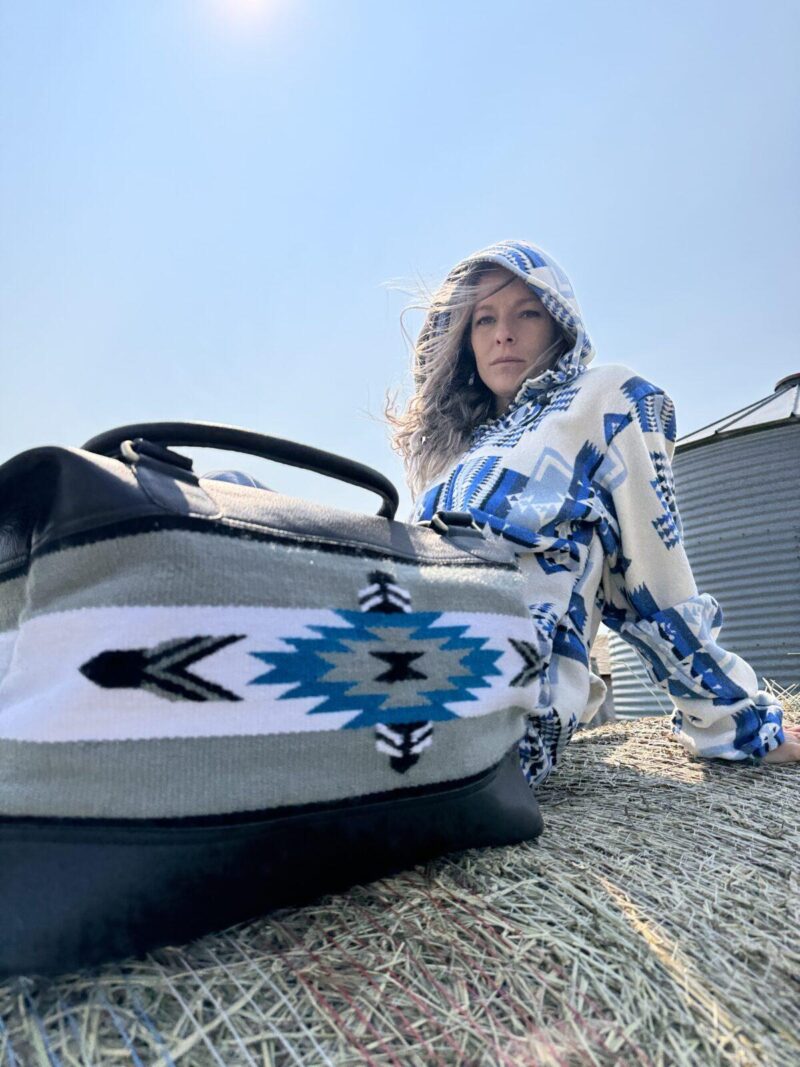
(577,476)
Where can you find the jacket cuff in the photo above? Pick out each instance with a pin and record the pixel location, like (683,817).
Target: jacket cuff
(757,730)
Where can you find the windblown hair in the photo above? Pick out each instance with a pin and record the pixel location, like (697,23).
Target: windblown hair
(446,407)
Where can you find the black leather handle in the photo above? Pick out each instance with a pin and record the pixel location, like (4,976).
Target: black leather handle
(235,439)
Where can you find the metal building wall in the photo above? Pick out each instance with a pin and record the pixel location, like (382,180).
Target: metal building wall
(740,503)
(739,499)
(634,693)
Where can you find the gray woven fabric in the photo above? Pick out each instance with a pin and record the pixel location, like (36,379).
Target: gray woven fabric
(182,567)
(171,777)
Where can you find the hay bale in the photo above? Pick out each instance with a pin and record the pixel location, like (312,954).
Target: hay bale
(654,922)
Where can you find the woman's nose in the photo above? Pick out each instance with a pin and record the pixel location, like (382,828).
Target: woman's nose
(504,333)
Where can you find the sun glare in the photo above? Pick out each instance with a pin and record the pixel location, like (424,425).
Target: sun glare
(240,12)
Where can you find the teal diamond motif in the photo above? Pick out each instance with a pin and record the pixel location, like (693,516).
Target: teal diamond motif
(430,667)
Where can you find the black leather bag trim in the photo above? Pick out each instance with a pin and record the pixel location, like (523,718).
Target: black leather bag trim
(17,570)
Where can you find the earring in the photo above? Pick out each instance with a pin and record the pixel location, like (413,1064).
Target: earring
(471,379)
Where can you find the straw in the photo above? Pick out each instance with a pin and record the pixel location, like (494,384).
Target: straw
(653,923)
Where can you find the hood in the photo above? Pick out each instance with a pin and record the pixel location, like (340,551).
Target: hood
(550,282)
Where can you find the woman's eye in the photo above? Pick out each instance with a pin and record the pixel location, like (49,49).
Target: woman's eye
(484,320)
(532,313)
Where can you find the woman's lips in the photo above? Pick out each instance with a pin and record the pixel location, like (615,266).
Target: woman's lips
(498,362)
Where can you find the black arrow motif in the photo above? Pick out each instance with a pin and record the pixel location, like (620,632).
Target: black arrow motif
(403,742)
(162,670)
(532,660)
(383,594)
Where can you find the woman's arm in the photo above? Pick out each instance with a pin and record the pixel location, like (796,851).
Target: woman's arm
(649,596)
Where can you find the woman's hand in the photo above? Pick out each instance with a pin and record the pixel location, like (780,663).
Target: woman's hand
(789,751)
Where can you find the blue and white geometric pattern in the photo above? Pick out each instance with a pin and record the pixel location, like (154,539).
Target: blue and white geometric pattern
(667,526)
(563,315)
(546,737)
(759,727)
(530,415)
(613,422)
(388,668)
(678,646)
(470,482)
(569,640)
(547,510)
(653,408)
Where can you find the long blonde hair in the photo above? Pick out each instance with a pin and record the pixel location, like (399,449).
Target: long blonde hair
(450,400)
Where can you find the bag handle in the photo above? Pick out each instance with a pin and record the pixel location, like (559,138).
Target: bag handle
(235,439)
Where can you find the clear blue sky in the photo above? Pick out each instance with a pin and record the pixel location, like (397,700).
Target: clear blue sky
(201,201)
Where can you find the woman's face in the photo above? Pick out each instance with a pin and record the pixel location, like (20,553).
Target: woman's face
(510,329)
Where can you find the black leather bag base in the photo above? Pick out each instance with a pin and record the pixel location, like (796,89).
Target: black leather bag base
(77,892)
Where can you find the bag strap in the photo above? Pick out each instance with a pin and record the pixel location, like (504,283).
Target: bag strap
(235,439)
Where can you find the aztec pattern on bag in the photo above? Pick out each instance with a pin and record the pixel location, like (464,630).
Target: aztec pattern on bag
(169,635)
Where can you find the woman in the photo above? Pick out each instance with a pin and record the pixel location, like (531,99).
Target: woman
(571,465)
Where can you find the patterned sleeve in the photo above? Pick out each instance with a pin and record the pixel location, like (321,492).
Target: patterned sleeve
(649,597)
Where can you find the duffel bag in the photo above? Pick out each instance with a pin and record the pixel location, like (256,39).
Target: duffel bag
(216,700)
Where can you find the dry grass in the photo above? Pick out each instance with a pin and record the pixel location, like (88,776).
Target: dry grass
(654,922)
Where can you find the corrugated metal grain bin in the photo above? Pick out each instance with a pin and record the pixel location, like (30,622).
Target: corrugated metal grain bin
(737,484)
